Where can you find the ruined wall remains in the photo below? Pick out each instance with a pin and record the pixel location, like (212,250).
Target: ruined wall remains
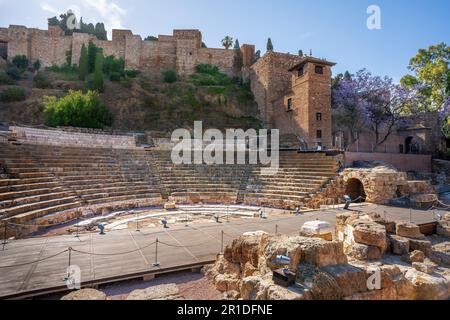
(181,51)
(73,139)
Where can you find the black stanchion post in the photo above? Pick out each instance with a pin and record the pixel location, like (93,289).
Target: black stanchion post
(137,222)
(77,235)
(70,261)
(5,241)
(276,229)
(156,264)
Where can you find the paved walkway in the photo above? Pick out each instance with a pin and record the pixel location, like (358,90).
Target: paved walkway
(127,252)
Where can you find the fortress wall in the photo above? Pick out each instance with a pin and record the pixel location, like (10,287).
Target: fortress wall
(219,57)
(18,41)
(157,56)
(182,51)
(73,139)
(49,48)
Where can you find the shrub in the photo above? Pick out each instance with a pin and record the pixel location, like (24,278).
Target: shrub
(207,69)
(37,65)
(13,94)
(41,81)
(113,65)
(126,82)
(5,79)
(13,72)
(132,73)
(20,61)
(115,76)
(208,75)
(170,76)
(77,110)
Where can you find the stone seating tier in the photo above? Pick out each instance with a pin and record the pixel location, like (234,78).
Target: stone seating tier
(54,183)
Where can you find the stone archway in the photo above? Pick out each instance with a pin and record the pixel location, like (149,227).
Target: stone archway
(355,189)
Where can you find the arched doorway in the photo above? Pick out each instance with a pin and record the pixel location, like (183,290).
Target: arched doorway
(355,189)
(4,50)
(408,145)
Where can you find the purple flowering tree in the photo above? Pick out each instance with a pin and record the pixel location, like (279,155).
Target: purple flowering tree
(444,115)
(365,102)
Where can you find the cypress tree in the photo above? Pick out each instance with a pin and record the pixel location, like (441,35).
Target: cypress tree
(269,45)
(83,68)
(98,74)
(92,56)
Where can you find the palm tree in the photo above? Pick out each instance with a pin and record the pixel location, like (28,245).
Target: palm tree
(227,42)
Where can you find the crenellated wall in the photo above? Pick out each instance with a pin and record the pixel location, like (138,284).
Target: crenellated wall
(181,51)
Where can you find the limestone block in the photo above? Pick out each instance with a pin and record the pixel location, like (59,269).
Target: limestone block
(365,253)
(424,267)
(409,230)
(370,233)
(85,294)
(422,245)
(428,287)
(162,292)
(399,245)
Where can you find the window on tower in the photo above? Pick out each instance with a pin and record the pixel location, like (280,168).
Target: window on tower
(300,71)
(289,104)
(319,116)
(319,134)
(319,69)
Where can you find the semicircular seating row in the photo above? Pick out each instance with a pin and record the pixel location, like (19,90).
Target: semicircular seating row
(48,184)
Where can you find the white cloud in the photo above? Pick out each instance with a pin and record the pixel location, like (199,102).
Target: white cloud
(106,11)
(110,12)
(48,8)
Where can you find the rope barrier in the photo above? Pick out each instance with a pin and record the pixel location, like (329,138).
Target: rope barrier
(113,254)
(36,261)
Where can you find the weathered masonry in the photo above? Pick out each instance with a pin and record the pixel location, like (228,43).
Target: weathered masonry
(181,51)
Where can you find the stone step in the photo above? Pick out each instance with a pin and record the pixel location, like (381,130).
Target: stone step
(30,181)
(32,175)
(25,193)
(274,196)
(30,215)
(123,198)
(35,199)
(38,205)
(99,195)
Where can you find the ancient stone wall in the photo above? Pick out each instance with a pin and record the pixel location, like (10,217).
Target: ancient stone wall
(73,139)
(403,162)
(182,51)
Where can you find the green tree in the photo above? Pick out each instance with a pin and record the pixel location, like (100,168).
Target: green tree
(100,31)
(98,74)
(83,68)
(238,58)
(431,68)
(227,42)
(77,110)
(20,61)
(269,45)
(92,56)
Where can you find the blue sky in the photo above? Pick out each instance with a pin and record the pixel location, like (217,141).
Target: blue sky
(335,30)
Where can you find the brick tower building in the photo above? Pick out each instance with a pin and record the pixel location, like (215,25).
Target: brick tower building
(294,95)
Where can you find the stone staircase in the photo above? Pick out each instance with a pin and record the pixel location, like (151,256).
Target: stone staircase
(299,177)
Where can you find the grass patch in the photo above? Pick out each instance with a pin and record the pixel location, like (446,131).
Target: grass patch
(13,94)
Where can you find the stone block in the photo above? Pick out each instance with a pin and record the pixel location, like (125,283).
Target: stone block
(422,245)
(370,233)
(364,252)
(399,245)
(409,230)
(424,267)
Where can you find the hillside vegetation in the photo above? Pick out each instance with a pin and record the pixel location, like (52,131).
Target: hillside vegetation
(138,101)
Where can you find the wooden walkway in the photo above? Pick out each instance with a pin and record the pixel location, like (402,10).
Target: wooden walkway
(129,254)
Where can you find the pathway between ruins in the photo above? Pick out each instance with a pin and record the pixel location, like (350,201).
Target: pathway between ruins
(127,253)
